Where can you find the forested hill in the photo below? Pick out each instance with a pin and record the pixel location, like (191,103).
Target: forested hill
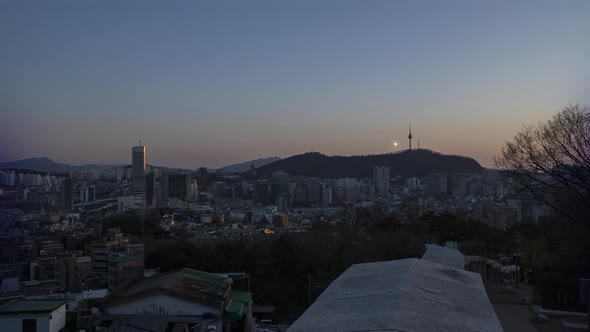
(406,163)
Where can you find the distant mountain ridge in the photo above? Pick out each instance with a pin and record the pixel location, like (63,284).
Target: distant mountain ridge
(245,166)
(45,164)
(406,163)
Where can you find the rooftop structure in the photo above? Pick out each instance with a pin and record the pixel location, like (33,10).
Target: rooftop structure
(181,297)
(22,306)
(446,256)
(401,295)
(38,315)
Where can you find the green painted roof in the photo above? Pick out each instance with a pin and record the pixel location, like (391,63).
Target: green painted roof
(207,278)
(240,300)
(240,295)
(204,276)
(30,306)
(234,311)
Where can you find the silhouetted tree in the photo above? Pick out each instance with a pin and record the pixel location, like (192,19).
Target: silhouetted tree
(552,160)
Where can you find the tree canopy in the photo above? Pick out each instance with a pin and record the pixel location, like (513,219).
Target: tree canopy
(552,160)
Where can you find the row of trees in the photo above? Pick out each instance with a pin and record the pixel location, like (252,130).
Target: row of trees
(288,271)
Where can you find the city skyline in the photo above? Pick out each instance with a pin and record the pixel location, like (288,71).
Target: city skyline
(208,84)
(398,147)
(294,165)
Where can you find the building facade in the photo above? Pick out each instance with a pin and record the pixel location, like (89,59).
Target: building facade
(33,315)
(125,263)
(381,178)
(176,186)
(67,190)
(138,179)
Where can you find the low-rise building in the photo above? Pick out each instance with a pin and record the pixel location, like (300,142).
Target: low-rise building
(99,251)
(33,315)
(126,262)
(178,299)
(73,271)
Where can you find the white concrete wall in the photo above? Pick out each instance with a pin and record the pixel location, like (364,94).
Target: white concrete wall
(44,324)
(161,305)
(58,319)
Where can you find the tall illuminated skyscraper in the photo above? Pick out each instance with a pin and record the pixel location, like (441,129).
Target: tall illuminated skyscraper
(138,166)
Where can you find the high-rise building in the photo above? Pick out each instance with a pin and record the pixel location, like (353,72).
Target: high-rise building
(150,185)
(262,191)
(67,189)
(84,194)
(194,191)
(8,178)
(381,179)
(282,206)
(219,189)
(437,184)
(202,177)
(314,189)
(457,184)
(327,196)
(280,184)
(412,184)
(138,165)
(300,194)
(176,186)
(91,193)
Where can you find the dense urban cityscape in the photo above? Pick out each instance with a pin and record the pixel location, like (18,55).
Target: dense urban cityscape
(84,233)
(271,166)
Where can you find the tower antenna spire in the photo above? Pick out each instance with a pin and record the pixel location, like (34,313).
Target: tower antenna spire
(410,136)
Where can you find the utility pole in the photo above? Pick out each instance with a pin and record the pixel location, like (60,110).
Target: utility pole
(308,289)
(584,295)
(516,262)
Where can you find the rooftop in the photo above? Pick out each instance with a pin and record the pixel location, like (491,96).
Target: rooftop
(402,295)
(446,256)
(192,285)
(84,259)
(22,306)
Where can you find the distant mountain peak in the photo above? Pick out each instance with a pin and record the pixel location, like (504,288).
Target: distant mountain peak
(244,166)
(46,164)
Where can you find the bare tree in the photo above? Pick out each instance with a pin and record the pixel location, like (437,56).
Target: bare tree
(553,158)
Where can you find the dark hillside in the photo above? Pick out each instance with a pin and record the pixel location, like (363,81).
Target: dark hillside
(406,163)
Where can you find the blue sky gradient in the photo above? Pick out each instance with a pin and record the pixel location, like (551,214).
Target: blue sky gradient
(207,83)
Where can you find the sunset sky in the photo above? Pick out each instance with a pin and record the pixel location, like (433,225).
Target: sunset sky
(208,83)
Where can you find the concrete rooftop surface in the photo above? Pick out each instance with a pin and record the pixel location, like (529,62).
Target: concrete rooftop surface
(446,256)
(401,295)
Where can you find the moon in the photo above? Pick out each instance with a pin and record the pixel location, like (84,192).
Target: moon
(394,143)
